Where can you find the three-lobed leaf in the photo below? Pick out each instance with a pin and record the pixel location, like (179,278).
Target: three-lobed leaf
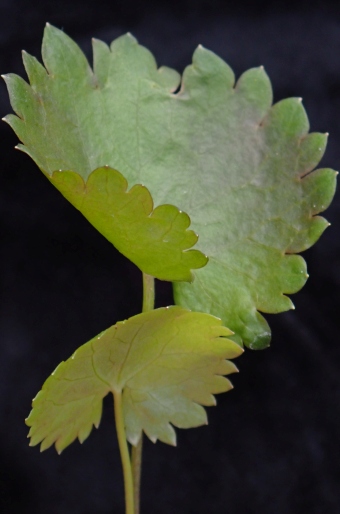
(239,166)
(167,363)
(156,240)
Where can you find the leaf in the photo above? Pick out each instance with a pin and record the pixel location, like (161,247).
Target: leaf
(239,166)
(167,363)
(156,240)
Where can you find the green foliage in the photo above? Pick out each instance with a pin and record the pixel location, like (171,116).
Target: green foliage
(240,167)
(217,150)
(155,240)
(167,362)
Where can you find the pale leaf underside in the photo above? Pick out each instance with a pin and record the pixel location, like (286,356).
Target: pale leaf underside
(167,364)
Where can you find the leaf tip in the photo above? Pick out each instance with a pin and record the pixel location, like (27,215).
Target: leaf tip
(131,37)
(134,440)
(60,446)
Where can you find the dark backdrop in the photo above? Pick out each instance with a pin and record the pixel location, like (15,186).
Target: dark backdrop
(272,445)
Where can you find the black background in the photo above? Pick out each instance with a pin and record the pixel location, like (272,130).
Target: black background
(272,445)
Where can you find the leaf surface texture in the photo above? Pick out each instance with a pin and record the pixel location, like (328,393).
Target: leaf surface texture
(240,167)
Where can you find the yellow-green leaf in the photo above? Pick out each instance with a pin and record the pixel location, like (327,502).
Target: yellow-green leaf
(167,364)
(156,240)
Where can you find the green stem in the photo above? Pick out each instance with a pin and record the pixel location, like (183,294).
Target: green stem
(136,454)
(124,454)
(148,305)
(148,293)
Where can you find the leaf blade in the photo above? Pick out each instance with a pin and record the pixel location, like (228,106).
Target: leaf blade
(168,363)
(238,165)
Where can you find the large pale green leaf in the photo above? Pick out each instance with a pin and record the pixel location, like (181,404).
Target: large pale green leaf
(155,240)
(167,363)
(237,165)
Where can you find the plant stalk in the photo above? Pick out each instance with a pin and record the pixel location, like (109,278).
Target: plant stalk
(136,453)
(124,454)
(148,293)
